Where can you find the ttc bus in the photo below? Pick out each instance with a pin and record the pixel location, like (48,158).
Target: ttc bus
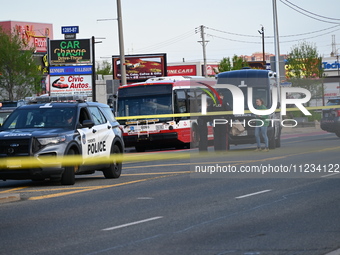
(168,102)
(171,103)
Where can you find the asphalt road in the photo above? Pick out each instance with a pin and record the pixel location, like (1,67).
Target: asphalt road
(159,207)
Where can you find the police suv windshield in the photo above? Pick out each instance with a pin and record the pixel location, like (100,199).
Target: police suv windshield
(43,117)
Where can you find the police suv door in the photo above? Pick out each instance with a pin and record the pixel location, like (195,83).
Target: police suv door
(97,141)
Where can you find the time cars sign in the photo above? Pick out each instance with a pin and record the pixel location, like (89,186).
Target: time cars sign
(77,51)
(182,70)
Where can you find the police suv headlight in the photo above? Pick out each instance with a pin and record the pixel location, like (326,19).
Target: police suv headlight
(52,140)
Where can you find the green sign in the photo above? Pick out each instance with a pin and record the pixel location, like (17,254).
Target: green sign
(70,51)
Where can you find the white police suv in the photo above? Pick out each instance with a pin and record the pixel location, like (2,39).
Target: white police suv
(51,130)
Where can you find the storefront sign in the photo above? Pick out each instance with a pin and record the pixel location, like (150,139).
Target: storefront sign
(182,70)
(71,85)
(70,51)
(34,35)
(70,70)
(327,65)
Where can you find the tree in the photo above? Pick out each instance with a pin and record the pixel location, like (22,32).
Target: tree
(104,68)
(225,64)
(20,76)
(304,68)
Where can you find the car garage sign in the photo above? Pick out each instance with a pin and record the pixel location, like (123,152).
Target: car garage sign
(71,85)
(70,51)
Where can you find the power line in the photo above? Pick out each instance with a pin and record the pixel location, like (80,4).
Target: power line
(230,33)
(233,40)
(310,12)
(254,42)
(271,36)
(307,14)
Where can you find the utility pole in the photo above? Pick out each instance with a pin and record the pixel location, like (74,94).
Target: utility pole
(277,51)
(204,42)
(263,53)
(121,44)
(276,44)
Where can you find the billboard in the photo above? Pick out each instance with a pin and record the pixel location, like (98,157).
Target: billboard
(66,85)
(76,51)
(140,67)
(34,34)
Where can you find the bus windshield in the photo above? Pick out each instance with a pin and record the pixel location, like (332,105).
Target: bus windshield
(257,93)
(145,105)
(145,100)
(261,82)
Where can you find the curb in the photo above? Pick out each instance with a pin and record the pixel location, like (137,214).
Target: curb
(10,197)
(297,130)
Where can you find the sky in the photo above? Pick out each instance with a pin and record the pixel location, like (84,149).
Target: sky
(172,27)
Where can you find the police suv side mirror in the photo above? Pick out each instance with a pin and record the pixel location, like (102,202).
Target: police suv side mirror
(88,123)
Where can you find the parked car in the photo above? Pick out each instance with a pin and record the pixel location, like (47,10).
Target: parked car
(7,107)
(55,129)
(330,121)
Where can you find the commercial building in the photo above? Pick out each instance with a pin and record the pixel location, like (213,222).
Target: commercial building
(35,36)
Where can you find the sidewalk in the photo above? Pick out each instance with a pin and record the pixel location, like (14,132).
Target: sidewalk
(9,197)
(299,130)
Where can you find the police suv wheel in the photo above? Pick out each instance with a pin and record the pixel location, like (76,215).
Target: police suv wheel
(68,176)
(115,168)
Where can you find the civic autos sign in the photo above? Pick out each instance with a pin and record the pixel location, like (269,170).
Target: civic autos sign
(77,51)
(71,85)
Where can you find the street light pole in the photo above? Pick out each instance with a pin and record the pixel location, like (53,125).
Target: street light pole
(121,44)
(263,53)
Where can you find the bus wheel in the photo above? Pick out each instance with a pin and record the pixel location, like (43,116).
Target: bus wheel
(68,176)
(140,148)
(115,168)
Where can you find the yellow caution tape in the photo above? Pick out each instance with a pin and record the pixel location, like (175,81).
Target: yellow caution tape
(197,114)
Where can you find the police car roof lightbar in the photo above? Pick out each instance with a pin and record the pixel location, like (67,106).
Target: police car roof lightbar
(50,99)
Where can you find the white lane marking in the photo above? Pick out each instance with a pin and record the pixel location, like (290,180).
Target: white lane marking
(328,175)
(144,198)
(133,223)
(336,252)
(253,194)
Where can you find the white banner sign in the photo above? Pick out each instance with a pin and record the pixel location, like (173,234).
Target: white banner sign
(71,85)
